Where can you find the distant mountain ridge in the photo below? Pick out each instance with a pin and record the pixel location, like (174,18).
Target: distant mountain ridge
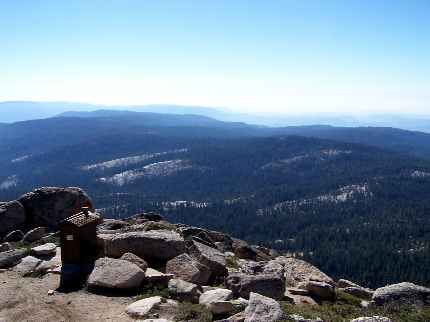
(15,111)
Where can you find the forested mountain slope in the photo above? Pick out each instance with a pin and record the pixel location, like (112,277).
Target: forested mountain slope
(338,204)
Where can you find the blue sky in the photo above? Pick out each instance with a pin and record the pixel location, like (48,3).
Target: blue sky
(261,56)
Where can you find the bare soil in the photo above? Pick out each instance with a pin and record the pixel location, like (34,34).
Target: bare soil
(27,299)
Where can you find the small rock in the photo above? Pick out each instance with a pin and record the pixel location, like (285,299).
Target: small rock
(11,257)
(155,277)
(147,308)
(5,247)
(34,235)
(299,300)
(320,290)
(14,236)
(209,257)
(218,301)
(135,260)
(27,265)
(298,318)
(44,250)
(270,285)
(188,269)
(51,292)
(372,319)
(183,291)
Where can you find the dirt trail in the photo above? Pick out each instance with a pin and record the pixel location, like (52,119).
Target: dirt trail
(27,299)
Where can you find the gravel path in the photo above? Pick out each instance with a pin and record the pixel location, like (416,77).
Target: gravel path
(27,299)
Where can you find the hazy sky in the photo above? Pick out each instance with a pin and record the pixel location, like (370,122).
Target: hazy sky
(278,56)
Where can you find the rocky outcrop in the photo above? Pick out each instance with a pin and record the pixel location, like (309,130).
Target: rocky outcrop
(188,269)
(143,265)
(263,309)
(242,285)
(11,257)
(183,291)
(115,274)
(408,293)
(209,257)
(12,216)
(152,245)
(49,205)
(151,307)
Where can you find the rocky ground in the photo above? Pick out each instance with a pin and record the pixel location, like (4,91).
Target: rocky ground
(148,269)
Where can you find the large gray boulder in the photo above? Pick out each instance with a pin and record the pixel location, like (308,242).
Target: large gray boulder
(408,293)
(12,216)
(263,309)
(210,257)
(151,245)
(11,257)
(270,285)
(188,269)
(115,274)
(49,205)
(183,291)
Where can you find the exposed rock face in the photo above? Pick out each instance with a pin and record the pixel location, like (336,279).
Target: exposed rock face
(184,291)
(34,235)
(153,306)
(49,205)
(44,250)
(270,285)
(297,271)
(135,260)
(188,269)
(263,309)
(115,274)
(157,244)
(14,236)
(210,257)
(11,257)
(27,265)
(403,292)
(12,216)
